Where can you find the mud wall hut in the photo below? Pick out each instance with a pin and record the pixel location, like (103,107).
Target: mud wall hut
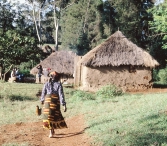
(116,61)
(59,61)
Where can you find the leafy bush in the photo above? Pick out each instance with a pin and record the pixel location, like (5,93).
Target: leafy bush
(26,73)
(109,91)
(82,95)
(25,65)
(162,75)
(25,68)
(155,75)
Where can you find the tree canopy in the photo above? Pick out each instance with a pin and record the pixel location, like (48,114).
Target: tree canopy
(158,32)
(78,25)
(18,42)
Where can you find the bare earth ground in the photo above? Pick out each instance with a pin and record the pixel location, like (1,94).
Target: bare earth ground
(35,135)
(148,91)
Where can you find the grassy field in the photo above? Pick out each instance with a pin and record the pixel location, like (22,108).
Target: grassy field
(124,120)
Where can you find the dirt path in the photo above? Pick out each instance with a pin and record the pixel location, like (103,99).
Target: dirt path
(35,135)
(148,91)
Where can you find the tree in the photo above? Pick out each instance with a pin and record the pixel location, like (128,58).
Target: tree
(109,19)
(125,17)
(58,6)
(145,18)
(37,6)
(158,33)
(17,41)
(81,26)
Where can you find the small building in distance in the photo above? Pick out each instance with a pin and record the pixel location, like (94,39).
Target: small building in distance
(59,61)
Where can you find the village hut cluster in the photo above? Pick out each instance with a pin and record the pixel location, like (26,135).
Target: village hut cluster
(116,61)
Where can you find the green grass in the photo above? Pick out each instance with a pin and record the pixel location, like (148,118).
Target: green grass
(126,120)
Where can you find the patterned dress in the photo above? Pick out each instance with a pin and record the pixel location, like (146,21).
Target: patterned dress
(53,96)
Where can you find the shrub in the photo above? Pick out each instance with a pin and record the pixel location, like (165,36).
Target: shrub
(109,91)
(162,75)
(82,95)
(155,75)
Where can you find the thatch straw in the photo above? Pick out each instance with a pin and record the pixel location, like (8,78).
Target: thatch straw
(118,50)
(59,61)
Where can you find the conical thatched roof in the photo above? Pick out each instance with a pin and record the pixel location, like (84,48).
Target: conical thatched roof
(59,61)
(118,50)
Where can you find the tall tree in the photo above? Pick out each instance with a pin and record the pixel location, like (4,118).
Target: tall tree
(81,25)
(158,33)
(58,6)
(109,19)
(17,41)
(126,18)
(37,6)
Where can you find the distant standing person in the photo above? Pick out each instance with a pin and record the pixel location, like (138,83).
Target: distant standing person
(40,70)
(52,96)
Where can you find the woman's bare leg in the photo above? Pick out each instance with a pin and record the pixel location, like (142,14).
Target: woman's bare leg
(52,132)
(50,135)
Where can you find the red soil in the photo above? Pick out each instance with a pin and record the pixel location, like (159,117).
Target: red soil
(149,91)
(35,135)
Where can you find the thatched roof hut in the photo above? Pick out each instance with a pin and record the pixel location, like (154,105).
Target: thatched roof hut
(60,61)
(116,61)
(118,50)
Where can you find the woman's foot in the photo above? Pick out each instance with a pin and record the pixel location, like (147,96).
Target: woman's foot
(52,132)
(50,135)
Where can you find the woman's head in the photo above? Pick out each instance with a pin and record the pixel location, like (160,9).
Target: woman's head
(54,75)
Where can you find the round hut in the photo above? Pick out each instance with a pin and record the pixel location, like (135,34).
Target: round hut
(116,61)
(59,61)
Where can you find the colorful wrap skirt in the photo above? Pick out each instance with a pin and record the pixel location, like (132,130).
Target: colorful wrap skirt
(52,117)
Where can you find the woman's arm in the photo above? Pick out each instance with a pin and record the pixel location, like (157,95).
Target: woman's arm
(61,95)
(43,93)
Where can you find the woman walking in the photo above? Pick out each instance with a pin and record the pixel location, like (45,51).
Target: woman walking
(52,96)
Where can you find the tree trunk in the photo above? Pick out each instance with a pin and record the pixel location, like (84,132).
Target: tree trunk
(7,72)
(56,23)
(56,35)
(86,17)
(35,22)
